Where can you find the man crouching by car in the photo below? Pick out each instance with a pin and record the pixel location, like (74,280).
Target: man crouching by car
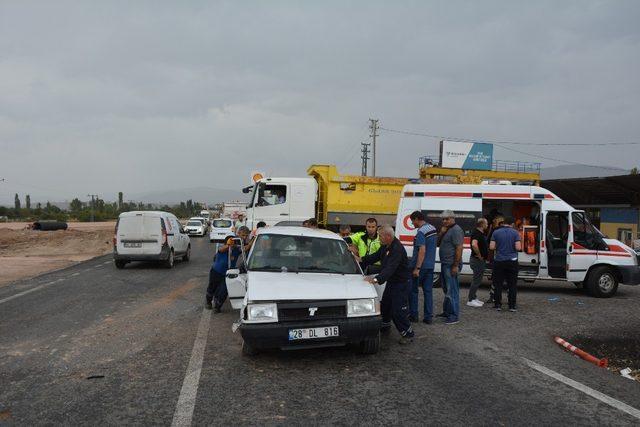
(217,289)
(395,272)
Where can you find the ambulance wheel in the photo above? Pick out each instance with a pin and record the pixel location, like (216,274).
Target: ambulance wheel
(120,264)
(187,255)
(437,280)
(602,282)
(248,349)
(370,346)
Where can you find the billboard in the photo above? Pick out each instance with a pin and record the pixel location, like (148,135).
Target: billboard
(466,155)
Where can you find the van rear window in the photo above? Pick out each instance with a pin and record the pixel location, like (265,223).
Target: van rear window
(221,223)
(465,219)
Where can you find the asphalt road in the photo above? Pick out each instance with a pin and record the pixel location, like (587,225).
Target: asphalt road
(95,345)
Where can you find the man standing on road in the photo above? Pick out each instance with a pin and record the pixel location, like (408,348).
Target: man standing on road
(395,273)
(422,263)
(368,242)
(479,253)
(451,239)
(217,289)
(506,242)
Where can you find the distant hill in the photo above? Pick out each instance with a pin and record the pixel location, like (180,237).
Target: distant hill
(577,171)
(197,194)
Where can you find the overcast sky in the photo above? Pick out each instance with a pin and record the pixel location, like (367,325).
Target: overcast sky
(100,97)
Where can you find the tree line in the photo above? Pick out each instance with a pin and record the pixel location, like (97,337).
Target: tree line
(98,209)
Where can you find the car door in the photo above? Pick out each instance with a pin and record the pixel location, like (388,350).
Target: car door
(237,282)
(584,242)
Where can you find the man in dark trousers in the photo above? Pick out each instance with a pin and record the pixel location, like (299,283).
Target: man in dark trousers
(396,274)
(505,241)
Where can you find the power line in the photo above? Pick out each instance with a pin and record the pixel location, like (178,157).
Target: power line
(501,144)
(451,138)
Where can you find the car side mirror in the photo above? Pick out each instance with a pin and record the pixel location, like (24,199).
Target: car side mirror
(233,273)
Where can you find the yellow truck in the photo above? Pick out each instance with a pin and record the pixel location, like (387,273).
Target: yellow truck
(333,199)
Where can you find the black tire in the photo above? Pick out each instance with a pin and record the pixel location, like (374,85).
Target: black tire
(170,260)
(248,349)
(187,256)
(120,264)
(602,282)
(437,280)
(370,346)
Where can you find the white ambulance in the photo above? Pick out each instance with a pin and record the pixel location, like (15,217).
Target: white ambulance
(559,243)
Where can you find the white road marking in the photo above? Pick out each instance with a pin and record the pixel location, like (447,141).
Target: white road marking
(187,400)
(75,274)
(107,262)
(28,291)
(586,390)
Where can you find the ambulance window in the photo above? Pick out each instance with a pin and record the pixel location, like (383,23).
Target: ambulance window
(465,219)
(584,233)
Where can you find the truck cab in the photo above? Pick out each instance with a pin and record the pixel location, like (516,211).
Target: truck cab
(274,200)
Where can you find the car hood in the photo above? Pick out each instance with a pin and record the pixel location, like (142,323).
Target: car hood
(277,286)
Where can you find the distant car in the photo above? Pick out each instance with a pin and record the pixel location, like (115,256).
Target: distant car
(203,220)
(195,227)
(221,228)
(149,236)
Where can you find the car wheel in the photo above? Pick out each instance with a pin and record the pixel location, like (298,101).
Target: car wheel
(120,264)
(602,282)
(169,262)
(370,346)
(187,255)
(248,349)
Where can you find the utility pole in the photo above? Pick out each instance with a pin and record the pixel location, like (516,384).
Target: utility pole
(93,197)
(365,157)
(373,126)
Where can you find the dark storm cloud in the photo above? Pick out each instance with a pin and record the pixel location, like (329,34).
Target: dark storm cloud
(109,96)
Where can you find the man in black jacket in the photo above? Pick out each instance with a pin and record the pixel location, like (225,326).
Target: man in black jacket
(395,272)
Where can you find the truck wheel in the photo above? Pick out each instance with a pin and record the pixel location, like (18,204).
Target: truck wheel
(602,282)
(248,349)
(169,262)
(187,255)
(120,264)
(370,346)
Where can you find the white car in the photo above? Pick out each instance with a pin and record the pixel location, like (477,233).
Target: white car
(195,227)
(149,236)
(204,221)
(221,229)
(302,288)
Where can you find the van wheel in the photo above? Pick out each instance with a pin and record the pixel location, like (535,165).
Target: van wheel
(602,282)
(187,255)
(370,346)
(169,262)
(248,349)
(120,264)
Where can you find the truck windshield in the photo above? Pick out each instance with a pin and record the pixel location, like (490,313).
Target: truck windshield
(274,252)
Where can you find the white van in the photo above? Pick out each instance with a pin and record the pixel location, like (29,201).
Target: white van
(302,288)
(559,242)
(221,228)
(149,236)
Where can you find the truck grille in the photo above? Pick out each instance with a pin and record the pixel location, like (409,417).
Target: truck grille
(300,311)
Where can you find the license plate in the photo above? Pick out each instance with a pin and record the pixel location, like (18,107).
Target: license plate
(313,333)
(133,245)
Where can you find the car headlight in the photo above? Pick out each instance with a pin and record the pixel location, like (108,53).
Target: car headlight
(262,313)
(363,307)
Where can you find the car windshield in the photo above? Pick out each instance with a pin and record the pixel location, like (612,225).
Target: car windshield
(194,223)
(275,252)
(222,223)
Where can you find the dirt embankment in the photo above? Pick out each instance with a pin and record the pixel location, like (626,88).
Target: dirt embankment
(27,253)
